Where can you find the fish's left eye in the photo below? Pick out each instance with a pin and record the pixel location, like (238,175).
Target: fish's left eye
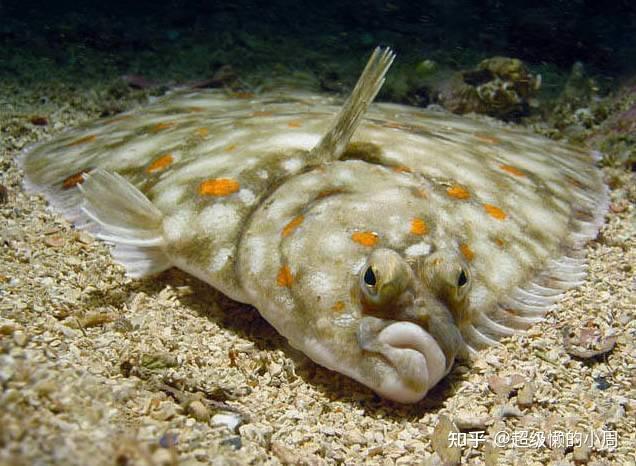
(369,277)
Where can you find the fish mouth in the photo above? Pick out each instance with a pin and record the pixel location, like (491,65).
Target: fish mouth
(415,358)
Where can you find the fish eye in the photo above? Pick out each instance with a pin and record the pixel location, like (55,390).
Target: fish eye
(462,280)
(369,277)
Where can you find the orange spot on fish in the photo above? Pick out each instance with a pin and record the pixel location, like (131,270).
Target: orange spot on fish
(512,170)
(218,187)
(365,238)
(467,252)
(295,124)
(230,148)
(74,180)
(401,169)
(418,226)
(262,113)
(161,126)
(495,212)
(292,225)
(487,138)
(458,192)
(499,242)
(202,132)
(338,306)
(284,277)
(161,163)
(84,140)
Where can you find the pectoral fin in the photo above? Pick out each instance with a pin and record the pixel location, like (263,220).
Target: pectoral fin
(122,215)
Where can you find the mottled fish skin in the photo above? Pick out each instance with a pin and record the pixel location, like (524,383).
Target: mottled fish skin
(431,236)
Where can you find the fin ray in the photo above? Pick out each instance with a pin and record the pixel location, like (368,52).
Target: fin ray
(528,304)
(333,144)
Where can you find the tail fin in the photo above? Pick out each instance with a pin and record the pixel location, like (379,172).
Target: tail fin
(333,144)
(123,215)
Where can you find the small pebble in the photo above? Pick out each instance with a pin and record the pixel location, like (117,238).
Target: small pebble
(508,411)
(499,385)
(169,439)
(601,383)
(449,453)
(472,422)
(235,442)
(20,338)
(163,457)
(39,120)
(284,454)
(260,434)
(525,397)
(230,420)
(4,194)
(581,454)
(199,411)
(85,237)
(55,241)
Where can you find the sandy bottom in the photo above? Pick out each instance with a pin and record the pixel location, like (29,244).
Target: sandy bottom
(96,368)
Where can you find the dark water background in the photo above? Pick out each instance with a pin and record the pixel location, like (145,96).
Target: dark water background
(155,37)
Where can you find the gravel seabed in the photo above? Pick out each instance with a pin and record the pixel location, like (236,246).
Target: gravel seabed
(97,368)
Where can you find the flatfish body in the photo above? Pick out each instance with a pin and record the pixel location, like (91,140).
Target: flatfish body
(382,240)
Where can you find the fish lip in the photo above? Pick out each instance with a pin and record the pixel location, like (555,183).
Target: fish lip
(412,353)
(409,336)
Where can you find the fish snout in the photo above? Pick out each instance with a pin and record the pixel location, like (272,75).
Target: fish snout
(415,360)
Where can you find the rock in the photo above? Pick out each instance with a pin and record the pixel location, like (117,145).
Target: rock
(55,241)
(39,120)
(500,385)
(199,411)
(442,441)
(285,454)
(425,68)
(164,457)
(588,342)
(581,454)
(467,421)
(260,434)
(234,442)
(158,361)
(230,420)
(525,397)
(504,411)
(4,194)
(20,338)
(84,237)
(499,86)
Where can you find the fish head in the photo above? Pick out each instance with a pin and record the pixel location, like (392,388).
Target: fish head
(407,329)
(332,274)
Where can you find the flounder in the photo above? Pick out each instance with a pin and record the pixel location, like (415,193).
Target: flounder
(383,241)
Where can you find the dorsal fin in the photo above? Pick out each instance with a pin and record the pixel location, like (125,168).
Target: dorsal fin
(333,144)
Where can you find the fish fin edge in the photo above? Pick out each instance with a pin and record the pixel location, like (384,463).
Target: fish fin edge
(529,304)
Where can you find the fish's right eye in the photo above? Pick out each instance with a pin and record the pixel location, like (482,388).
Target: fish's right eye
(369,277)
(462,279)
